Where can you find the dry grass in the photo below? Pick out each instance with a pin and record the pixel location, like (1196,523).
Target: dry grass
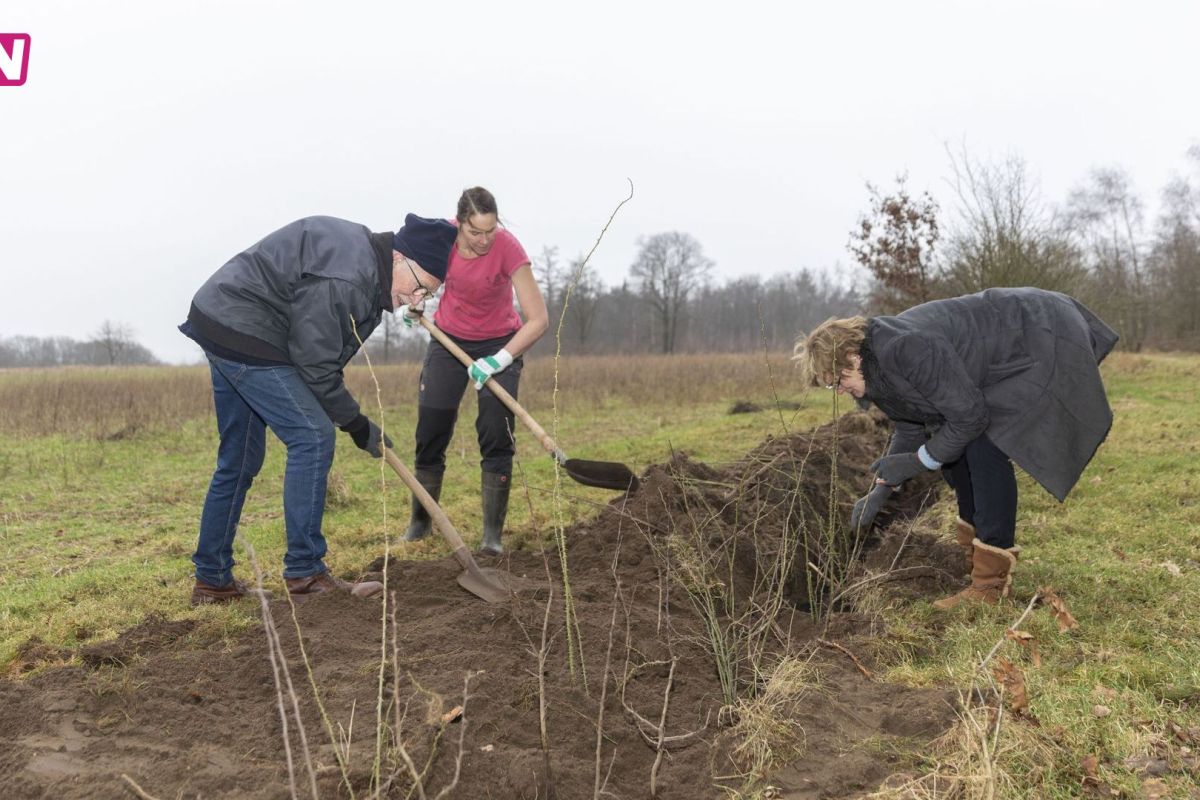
(764,726)
(117,403)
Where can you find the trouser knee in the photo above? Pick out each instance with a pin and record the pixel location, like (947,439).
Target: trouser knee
(435,428)
(494,426)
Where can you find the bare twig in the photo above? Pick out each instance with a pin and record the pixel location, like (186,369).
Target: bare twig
(662,731)
(1028,610)
(282,677)
(826,643)
(380,714)
(139,791)
(901,574)
(542,654)
(462,734)
(570,620)
(612,624)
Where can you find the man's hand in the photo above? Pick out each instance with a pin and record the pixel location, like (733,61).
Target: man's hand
(409,314)
(367,435)
(867,508)
(486,367)
(895,469)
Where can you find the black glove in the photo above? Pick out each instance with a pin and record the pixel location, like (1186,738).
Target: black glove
(896,469)
(367,435)
(867,507)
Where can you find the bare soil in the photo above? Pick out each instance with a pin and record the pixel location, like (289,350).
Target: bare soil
(186,713)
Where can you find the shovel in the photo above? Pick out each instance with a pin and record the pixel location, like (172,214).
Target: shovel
(602,474)
(485,583)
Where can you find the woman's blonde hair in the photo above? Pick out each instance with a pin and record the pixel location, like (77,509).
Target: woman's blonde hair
(824,353)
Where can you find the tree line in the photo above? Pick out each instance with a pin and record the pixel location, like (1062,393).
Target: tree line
(113,344)
(1140,275)
(668,303)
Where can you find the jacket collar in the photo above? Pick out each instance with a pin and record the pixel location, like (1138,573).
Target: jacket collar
(381,243)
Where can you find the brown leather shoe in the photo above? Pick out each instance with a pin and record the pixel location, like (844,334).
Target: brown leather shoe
(204,593)
(300,588)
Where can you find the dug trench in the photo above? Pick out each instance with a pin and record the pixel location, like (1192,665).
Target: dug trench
(741,560)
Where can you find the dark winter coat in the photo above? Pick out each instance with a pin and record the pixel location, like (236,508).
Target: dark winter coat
(1020,365)
(290,299)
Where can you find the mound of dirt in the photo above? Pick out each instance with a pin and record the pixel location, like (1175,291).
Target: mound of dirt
(551,709)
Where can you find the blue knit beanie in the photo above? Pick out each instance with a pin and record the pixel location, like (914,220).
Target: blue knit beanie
(427,242)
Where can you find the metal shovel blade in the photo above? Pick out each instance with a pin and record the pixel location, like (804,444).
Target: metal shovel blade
(487,583)
(601,474)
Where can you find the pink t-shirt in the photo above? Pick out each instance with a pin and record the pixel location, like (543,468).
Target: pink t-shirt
(477,300)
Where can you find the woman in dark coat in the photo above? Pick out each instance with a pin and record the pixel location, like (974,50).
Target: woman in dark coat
(973,384)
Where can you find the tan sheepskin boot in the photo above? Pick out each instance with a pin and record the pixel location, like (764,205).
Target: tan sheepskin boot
(964,533)
(991,576)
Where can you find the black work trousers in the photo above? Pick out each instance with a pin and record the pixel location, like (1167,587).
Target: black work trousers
(443,380)
(986,489)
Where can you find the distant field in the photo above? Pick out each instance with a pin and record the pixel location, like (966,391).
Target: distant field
(103,475)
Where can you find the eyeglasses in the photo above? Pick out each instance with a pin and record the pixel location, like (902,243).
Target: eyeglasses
(422,288)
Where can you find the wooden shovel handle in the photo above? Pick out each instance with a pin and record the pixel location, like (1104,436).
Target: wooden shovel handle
(440,520)
(496,389)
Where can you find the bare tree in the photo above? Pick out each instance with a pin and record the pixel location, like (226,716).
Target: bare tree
(1106,215)
(895,241)
(387,336)
(114,341)
(553,279)
(1173,267)
(668,269)
(585,292)
(1003,235)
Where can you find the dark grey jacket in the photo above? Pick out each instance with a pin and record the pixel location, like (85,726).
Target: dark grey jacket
(291,298)
(1021,365)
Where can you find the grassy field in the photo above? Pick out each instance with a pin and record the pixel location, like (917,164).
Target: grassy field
(103,474)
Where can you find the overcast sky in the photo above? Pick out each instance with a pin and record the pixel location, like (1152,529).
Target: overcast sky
(154,139)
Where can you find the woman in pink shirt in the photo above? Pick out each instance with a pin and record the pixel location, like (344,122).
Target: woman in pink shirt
(487,265)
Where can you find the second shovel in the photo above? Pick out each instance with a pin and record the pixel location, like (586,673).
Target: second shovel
(602,474)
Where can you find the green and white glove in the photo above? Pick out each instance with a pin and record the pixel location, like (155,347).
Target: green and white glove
(410,314)
(486,367)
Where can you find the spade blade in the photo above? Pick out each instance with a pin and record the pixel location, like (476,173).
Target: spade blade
(601,474)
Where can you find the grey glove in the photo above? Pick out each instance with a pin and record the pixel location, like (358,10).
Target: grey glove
(367,435)
(896,469)
(867,507)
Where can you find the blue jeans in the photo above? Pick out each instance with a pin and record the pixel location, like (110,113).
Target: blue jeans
(248,400)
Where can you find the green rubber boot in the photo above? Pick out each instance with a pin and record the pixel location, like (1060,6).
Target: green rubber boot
(420,522)
(495,509)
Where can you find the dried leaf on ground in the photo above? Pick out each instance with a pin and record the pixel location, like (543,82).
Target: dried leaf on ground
(1059,608)
(1184,735)
(1027,641)
(1154,789)
(1092,785)
(1013,680)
